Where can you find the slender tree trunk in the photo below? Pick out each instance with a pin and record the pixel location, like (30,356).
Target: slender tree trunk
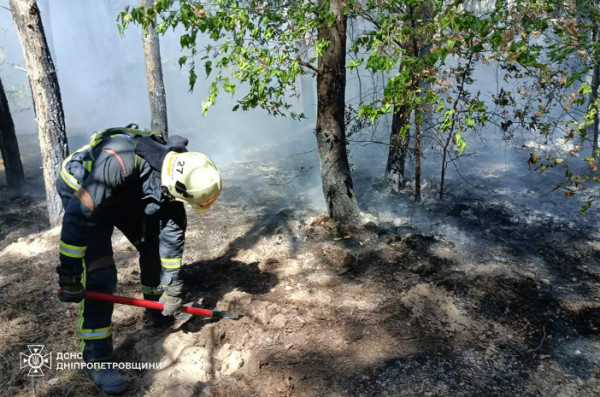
(13,168)
(444,164)
(156,86)
(394,170)
(592,100)
(330,131)
(417,158)
(416,50)
(46,98)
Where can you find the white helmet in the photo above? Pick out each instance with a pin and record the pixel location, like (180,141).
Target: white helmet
(191,177)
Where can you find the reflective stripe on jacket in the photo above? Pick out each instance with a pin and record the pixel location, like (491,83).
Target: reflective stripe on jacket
(116,179)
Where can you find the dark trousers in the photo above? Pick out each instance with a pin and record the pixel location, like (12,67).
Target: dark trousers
(100,273)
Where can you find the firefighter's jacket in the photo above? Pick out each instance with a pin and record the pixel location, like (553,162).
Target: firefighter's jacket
(120,172)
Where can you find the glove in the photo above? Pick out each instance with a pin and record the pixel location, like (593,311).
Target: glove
(71,289)
(172,304)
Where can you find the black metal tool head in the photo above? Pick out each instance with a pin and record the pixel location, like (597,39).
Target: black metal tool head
(226,315)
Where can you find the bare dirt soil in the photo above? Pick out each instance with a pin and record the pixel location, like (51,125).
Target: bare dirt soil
(383,310)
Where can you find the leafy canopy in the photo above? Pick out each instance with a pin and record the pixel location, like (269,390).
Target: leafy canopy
(260,46)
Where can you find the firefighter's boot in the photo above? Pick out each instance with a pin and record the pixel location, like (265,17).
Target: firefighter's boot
(109,380)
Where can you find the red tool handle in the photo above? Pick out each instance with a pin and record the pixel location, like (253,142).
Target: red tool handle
(144,303)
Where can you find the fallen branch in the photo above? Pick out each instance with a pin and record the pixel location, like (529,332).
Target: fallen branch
(542,341)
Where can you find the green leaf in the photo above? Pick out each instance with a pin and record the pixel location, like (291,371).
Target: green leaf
(441,106)
(460,143)
(586,206)
(584,89)
(193,78)
(205,106)
(355,63)
(448,118)
(322,46)
(229,87)
(404,130)
(330,19)
(419,118)
(185,41)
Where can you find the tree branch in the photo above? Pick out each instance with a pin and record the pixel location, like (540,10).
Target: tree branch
(307,65)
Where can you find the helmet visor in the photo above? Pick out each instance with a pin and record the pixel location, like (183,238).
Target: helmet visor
(203,207)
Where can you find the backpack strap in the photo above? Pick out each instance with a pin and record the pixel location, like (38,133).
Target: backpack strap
(137,162)
(69,179)
(112,132)
(87,161)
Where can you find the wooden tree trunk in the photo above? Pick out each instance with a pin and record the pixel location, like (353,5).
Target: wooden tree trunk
(331,135)
(396,162)
(593,129)
(46,98)
(394,170)
(596,125)
(156,87)
(444,165)
(13,168)
(417,158)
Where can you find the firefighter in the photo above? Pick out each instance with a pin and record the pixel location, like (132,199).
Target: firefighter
(137,182)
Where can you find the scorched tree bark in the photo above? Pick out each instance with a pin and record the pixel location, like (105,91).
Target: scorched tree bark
(330,129)
(156,86)
(13,168)
(46,98)
(395,167)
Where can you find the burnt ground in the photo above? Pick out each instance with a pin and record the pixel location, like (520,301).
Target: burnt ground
(508,306)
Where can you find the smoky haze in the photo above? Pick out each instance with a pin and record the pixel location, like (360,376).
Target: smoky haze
(103,84)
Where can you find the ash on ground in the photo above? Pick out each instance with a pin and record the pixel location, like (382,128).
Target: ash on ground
(472,296)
